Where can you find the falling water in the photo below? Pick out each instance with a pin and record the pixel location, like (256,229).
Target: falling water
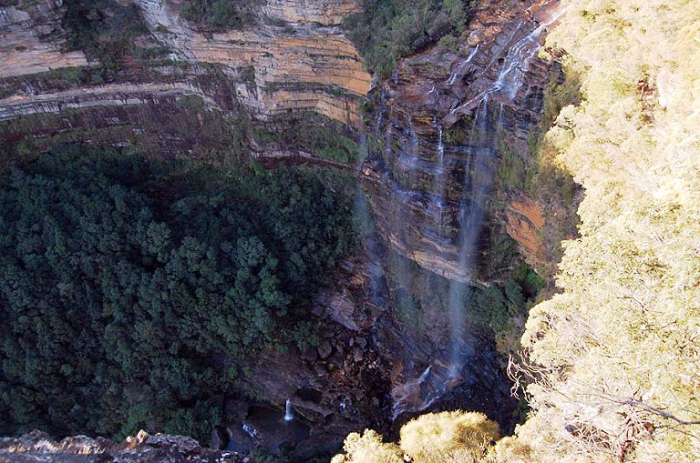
(288,411)
(500,116)
(439,182)
(518,59)
(364,223)
(458,70)
(409,161)
(362,151)
(250,431)
(444,374)
(471,219)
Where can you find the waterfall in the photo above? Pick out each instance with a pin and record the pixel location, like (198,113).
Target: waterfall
(471,218)
(458,70)
(439,182)
(250,431)
(288,411)
(362,151)
(443,374)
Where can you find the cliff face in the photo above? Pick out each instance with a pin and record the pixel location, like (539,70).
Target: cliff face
(294,57)
(22,48)
(300,58)
(444,122)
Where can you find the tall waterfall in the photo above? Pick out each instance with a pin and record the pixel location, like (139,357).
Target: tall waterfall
(487,111)
(439,181)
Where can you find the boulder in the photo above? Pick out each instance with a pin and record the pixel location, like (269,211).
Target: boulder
(475,37)
(342,310)
(325,349)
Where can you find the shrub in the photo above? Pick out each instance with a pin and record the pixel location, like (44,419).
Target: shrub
(457,437)
(368,448)
(448,436)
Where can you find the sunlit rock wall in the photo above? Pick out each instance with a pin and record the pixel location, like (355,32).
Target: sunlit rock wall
(294,57)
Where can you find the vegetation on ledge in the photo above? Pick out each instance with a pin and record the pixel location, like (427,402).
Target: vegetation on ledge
(388,30)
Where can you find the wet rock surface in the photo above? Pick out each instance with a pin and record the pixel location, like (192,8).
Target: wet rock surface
(432,150)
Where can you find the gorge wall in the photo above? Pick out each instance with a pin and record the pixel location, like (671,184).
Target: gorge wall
(438,131)
(291,58)
(445,127)
(427,129)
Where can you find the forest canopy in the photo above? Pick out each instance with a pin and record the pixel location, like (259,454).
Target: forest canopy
(131,289)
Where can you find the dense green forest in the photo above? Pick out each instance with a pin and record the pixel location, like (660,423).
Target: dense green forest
(130,289)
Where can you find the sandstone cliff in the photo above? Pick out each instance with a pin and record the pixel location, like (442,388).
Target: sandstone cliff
(294,57)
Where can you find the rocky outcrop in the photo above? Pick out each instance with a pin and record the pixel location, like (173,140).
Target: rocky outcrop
(104,95)
(36,447)
(524,223)
(310,12)
(302,62)
(24,49)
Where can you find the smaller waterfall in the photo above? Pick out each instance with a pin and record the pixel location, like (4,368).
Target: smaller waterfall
(518,58)
(362,151)
(458,71)
(288,411)
(366,227)
(439,181)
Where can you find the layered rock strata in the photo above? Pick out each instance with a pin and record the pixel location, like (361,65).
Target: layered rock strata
(294,57)
(23,48)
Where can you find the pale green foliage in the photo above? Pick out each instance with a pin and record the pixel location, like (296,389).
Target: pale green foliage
(368,448)
(616,353)
(448,436)
(457,437)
